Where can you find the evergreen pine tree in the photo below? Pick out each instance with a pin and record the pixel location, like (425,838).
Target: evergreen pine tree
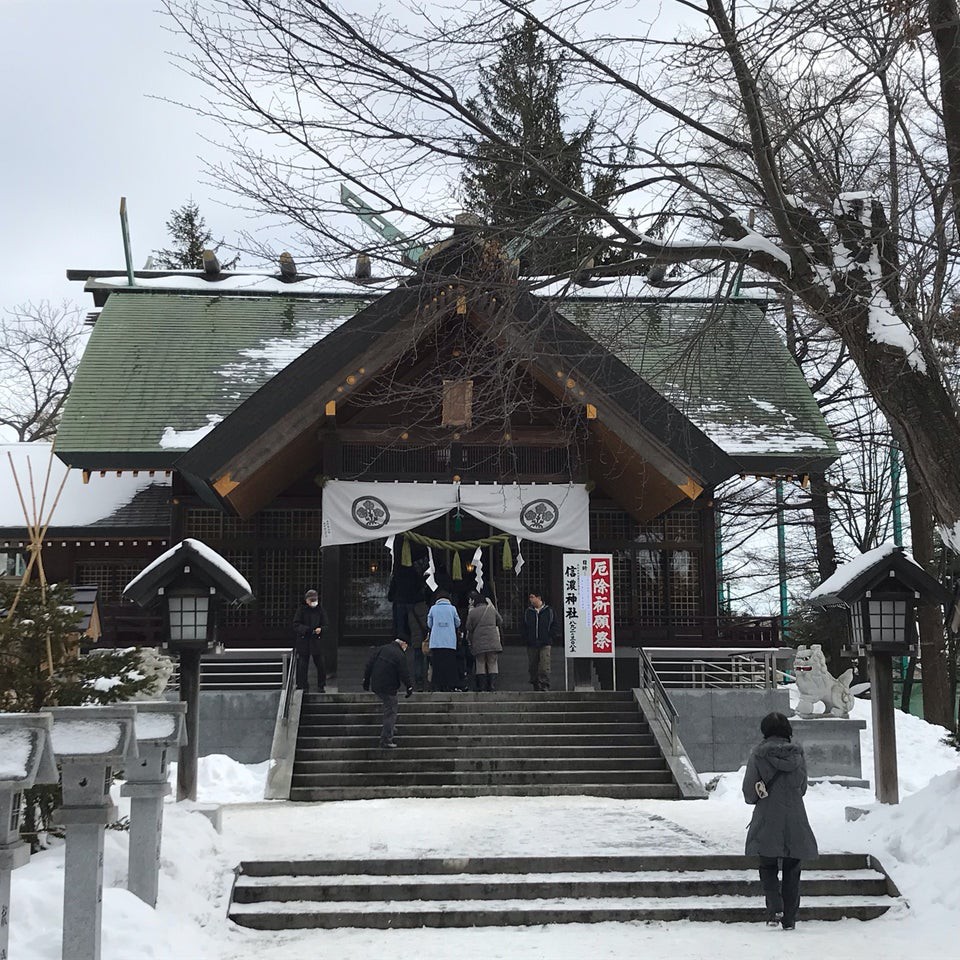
(190,235)
(44,626)
(519,98)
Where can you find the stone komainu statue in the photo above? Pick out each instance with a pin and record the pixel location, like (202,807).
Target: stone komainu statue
(816,684)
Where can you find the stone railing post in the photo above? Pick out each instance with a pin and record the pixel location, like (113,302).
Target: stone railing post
(26,758)
(89,742)
(160,727)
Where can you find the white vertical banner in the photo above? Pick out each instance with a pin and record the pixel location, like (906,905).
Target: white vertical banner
(588,619)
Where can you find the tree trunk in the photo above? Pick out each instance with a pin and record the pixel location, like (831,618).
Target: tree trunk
(933,646)
(822,526)
(944,20)
(917,406)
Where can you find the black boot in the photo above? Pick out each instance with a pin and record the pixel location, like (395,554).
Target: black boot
(491,682)
(478,682)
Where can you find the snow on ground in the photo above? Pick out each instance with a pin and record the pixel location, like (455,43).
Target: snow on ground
(918,842)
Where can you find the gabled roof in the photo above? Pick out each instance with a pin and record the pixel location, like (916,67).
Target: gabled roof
(871,571)
(248,450)
(205,565)
(186,377)
(722,365)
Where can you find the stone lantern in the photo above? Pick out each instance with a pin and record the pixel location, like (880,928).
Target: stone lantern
(881,590)
(89,743)
(187,580)
(159,728)
(26,758)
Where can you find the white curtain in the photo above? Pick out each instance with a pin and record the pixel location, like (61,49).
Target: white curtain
(555,513)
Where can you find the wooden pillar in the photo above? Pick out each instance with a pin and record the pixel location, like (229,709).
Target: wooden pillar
(330,592)
(886,785)
(187,755)
(709,597)
(331,581)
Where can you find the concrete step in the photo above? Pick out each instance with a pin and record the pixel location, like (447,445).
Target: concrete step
(621,791)
(420,718)
(319,781)
(417,704)
(531,728)
(462,892)
(476,744)
(519,913)
(475,740)
(744,883)
(593,863)
(376,762)
(535,751)
(544,696)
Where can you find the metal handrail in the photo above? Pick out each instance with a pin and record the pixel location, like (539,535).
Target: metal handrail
(650,681)
(721,666)
(286,694)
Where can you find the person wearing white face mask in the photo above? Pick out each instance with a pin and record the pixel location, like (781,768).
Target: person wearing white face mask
(308,626)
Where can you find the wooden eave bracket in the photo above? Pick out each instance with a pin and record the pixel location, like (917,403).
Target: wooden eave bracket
(225,485)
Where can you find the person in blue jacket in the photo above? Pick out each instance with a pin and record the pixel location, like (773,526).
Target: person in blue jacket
(443,624)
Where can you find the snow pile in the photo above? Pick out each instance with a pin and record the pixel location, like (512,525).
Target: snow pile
(86,736)
(194,886)
(173,439)
(15,748)
(918,842)
(222,780)
(155,726)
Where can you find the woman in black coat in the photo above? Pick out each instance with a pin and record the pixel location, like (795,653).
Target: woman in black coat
(775,782)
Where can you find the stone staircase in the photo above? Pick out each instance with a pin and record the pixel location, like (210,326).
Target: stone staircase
(517,891)
(479,744)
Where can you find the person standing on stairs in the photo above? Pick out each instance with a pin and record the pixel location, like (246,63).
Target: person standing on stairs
(386,672)
(539,628)
(308,626)
(779,832)
(483,638)
(443,622)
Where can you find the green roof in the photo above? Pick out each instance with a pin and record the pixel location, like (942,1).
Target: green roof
(163,367)
(160,369)
(722,365)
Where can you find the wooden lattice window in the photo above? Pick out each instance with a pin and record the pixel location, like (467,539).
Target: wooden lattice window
(109,576)
(366,581)
(685,599)
(513,590)
(457,403)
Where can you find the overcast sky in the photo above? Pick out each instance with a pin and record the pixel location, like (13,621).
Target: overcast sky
(81,130)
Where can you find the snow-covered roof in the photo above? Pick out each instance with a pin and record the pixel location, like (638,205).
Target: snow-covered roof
(253,283)
(226,573)
(847,572)
(80,504)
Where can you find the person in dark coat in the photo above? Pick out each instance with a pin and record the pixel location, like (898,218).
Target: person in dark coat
(417,622)
(779,832)
(539,628)
(386,672)
(308,625)
(406,590)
